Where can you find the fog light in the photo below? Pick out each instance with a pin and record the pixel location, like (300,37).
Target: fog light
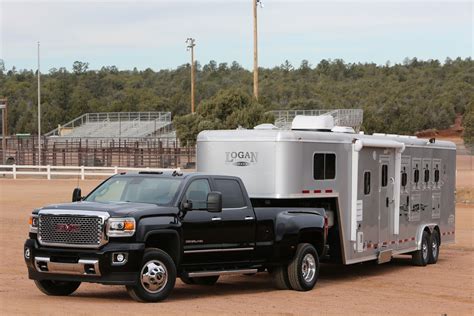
(27,253)
(119,258)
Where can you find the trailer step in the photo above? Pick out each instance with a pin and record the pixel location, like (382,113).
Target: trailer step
(220,272)
(384,256)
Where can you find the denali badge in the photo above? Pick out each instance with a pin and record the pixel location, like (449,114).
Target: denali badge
(68,228)
(241,158)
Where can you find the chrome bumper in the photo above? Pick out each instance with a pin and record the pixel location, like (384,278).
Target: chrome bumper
(82,267)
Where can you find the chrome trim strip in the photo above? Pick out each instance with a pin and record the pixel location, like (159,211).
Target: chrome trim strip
(225,272)
(218,250)
(67,268)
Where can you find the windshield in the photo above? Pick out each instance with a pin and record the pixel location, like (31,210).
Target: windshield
(152,190)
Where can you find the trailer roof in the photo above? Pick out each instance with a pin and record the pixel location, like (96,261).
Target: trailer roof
(312,136)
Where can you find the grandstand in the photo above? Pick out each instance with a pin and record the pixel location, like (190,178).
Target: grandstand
(116,125)
(342,117)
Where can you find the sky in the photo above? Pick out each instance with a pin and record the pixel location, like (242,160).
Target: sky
(152,34)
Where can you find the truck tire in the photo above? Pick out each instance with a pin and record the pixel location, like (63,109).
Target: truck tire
(303,270)
(208,280)
(433,248)
(421,257)
(280,278)
(57,288)
(156,277)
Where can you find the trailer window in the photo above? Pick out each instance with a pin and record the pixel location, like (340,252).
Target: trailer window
(404,177)
(232,196)
(324,166)
(384,175)
(427,174)
(416,175)
(367,182)
(436,176)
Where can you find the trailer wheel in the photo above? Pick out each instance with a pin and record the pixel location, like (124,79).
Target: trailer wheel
(280,277)
(421,257)
(156,278)
(304,268)
(57,288)
(434,247)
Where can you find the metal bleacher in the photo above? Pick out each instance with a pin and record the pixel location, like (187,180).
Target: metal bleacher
(116,125)
(342,117)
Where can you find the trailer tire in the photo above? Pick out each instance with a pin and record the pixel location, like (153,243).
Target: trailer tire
(434,247)
(280,278)
(57,288)
(156,278)
(303,270)
(421,257)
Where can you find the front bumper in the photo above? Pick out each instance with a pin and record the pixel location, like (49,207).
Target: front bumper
(84,265)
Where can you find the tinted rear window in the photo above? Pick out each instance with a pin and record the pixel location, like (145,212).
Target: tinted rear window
(232,196)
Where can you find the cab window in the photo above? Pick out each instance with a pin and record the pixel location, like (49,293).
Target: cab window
(197,193)
(232,195)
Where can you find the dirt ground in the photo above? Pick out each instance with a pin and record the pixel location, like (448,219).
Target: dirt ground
(392,288)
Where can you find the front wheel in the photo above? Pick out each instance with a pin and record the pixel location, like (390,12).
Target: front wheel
(303,270)
(57,288)
(156,279)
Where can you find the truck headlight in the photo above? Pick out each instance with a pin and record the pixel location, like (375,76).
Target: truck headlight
(33,221)
(121,227)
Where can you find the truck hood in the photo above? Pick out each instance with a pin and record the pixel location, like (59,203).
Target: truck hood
(116,209)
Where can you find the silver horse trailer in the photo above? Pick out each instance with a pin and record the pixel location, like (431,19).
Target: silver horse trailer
(384,194)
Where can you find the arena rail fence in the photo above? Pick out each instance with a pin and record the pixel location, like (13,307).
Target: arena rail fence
(78,171)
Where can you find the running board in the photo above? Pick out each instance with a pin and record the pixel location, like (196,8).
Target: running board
(220,272)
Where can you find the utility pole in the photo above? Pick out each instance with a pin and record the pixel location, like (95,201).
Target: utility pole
(191,42)
(255,47)
(4,106)
(39,108)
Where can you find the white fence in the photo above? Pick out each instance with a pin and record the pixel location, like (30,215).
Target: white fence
(79,171)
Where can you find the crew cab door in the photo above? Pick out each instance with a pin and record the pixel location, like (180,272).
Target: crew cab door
(238,220)
(216,237)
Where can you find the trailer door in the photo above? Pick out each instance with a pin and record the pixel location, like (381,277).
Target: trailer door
(386,201)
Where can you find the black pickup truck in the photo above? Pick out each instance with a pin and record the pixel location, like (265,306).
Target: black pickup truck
(144,230)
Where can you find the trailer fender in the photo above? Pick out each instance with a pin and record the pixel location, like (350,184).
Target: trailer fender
(419,233)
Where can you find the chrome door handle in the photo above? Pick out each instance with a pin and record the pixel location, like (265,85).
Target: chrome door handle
(216,219)
(248,218)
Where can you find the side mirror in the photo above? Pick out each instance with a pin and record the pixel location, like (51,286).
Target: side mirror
(214,202)
(76,195)
(187,206)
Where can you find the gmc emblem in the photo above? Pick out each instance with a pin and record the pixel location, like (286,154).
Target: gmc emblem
(68,228)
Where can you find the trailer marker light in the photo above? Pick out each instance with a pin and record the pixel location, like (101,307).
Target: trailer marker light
(305,191)
(329,191)
(317,191)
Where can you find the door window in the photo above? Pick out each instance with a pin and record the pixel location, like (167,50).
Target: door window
(384,175)
(367,182)
(197,193)
(232,196)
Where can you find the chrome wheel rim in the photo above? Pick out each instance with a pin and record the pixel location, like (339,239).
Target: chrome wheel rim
(308,267)
(434,248)
(154,276)
(424,249)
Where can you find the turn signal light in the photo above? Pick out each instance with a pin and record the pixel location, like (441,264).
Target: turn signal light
(129,225)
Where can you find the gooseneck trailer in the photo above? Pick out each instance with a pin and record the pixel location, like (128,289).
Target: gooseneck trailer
(384,194)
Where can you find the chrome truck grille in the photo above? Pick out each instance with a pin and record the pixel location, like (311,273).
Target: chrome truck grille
(72,229)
